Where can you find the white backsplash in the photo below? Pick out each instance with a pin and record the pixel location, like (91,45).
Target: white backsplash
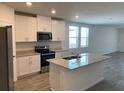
(25,46)
(20,46)
(53,44)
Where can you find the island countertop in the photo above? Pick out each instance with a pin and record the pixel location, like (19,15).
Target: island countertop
(84,60)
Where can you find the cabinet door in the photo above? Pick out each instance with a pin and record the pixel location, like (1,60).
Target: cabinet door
(25,28)
(35,67)
(44,23)
(58,30)
(32,29)
(23,66)
(21,26)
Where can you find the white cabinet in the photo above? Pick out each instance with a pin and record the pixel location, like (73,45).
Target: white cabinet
(6,13)
(43,23)
(28,65)
(23,66)
(35,67)
(58,30)
(25,28)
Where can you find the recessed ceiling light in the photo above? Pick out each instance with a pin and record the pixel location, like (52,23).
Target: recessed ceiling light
(28,3)
(77,17)
(53,11)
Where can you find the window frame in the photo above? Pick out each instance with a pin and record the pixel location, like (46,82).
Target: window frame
(79,37)
(87,37)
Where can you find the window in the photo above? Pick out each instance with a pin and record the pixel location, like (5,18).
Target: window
(78,36)
(84,37)
(73,36)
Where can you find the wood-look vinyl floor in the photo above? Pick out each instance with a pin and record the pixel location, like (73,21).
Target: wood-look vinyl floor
(39,82)
(114,78)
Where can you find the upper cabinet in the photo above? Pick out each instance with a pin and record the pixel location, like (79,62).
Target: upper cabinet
(43,23)
(58,30)
(25,28)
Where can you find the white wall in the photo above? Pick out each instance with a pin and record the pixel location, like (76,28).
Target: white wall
(103,40)
(6,13)
(121,40)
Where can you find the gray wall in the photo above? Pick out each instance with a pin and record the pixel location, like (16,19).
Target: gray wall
(103,40)
(121,40)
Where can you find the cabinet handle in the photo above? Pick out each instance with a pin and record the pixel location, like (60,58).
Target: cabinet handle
(44,29)
(26,38)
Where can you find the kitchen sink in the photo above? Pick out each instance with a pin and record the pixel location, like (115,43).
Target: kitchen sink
(71,57)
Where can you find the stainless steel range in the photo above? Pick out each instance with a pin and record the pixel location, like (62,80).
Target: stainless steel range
(45,54)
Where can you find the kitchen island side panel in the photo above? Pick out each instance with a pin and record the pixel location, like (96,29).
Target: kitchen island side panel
(77,79)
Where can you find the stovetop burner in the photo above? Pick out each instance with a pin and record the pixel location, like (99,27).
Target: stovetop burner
(42,49)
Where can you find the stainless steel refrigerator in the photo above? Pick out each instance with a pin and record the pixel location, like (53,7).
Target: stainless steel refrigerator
(6,59)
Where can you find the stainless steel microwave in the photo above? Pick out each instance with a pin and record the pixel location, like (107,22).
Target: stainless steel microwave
(44,36)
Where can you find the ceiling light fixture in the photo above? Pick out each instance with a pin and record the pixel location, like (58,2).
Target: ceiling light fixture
(53,11)
(28,3)
(77,17)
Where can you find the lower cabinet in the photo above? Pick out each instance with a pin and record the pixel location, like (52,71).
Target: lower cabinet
(28,64)
(35,64)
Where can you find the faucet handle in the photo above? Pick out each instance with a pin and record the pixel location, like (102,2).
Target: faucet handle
(72,53)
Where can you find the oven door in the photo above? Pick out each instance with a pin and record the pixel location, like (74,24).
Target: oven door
(45,57)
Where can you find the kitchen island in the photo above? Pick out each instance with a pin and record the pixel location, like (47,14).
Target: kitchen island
(76,72)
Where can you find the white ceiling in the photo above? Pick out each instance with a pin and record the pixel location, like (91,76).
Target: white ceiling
(98,13)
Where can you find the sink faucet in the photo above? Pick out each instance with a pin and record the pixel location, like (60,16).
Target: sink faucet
(72,53)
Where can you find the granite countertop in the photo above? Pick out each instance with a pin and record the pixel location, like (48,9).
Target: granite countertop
(26,53)
(84,60)
(58,49)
